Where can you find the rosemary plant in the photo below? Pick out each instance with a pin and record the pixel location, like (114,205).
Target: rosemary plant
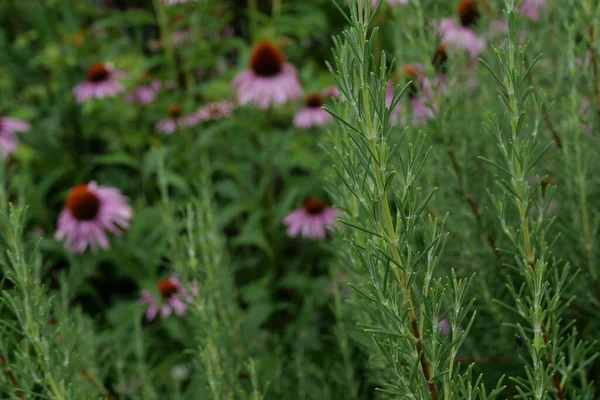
(392,247)
(521,205)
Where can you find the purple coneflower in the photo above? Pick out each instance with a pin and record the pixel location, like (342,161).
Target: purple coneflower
(331,92)
(175,121)
(461,35)
(102,81)
(173,299)
(269,80)
(311,220)
(531,9)
(215,111)
(90,211)
(419,93)
(312,114)
(145,93)
(8,138)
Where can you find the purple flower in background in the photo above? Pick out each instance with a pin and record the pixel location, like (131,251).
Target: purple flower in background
(91,210)
(173,299)
(145,93)
(462,36)
(531,9)
(102,81)
(331,92)
(8,138)
(444,327)
(175,121)
(313,113)
(269,80)
(420,95)
(215,111)
(311,220)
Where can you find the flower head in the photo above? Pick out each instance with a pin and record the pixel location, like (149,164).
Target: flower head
(91,210)
(468,12)
(311,220)
(419,93)
(313,113)
(531,9)
(8,139)
(215,111)
(146,92)
(462,36)
(175,121)
(269,80)
(173,298)
(101,81)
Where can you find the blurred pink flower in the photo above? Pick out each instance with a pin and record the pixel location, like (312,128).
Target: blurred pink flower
(173,299)
(215,111)
(444,327)
(531,9)
(269,80)
(461,37)
(312,114)
(420,93)
(144,94)
(176,121)
(311,220)
(89,211)
(8,139)
(102,81)
(331,92)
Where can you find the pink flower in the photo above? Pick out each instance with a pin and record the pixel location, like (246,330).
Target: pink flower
(420,94)
(90,211)
(461,37)
(444,327)
(531,8)
(8,139)
(101,82)
(311,220)
(144,94)
(176,121)
(312,114)
(269,80)
(173,299)
(215,111)
(331,92)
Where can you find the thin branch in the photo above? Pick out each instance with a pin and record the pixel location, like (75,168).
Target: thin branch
(11,377)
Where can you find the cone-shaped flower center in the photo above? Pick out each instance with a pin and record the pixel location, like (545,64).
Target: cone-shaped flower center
(314,206)
(468,12)
(178,19)
(167,288)
(411,74)
(174,111)
(439,59)
(97,73)
(83,203)
(267,59)
(314,100)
